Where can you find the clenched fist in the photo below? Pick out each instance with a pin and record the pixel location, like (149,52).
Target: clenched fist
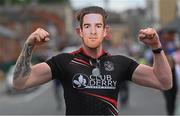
(149,37)
(38,37)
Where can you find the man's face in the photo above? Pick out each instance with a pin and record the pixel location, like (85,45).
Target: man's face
(93,31)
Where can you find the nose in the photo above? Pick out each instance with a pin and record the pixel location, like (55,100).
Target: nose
(93,30)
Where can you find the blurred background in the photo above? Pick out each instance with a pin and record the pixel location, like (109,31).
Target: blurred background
(19,18)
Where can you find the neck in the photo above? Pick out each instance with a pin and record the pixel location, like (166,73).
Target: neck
(93,52)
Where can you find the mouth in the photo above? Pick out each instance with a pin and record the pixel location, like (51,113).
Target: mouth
(93,38)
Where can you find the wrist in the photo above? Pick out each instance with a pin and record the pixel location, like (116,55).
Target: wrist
(157,51)
(154,47)
(29,44)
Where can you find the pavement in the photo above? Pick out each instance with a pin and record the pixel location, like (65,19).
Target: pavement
(142,101)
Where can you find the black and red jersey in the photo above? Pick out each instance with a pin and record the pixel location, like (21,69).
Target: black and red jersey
(91,85)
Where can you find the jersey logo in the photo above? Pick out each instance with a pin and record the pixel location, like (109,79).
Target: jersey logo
(80,81)
(109,66)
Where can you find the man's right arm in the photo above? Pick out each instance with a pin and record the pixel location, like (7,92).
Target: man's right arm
(25,75)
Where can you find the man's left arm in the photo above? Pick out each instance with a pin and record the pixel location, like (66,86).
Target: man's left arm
(158,76)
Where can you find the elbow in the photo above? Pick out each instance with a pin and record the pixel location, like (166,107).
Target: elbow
(168,84)
(167,87)
(17,87)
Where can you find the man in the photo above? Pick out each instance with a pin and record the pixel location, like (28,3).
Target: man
(90,76)
(167,37)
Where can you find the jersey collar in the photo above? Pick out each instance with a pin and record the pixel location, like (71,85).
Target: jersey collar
(84,53)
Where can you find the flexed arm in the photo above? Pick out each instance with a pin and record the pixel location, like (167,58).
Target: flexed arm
(24,74)
(158,76)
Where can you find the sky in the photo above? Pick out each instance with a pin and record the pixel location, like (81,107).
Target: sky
(114,5)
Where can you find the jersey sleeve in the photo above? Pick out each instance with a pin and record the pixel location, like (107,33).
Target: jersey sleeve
(56,65)
(132,66)
(129,66)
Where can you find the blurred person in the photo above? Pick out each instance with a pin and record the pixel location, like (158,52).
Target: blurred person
(171,94)
(124,94)
(57,93)
(90,76)
(176,57)
(167,37)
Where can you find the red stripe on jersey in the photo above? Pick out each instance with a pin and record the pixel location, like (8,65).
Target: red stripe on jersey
(80,60)
(114,102)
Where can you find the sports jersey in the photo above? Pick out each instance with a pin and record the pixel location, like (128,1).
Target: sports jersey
(91,85)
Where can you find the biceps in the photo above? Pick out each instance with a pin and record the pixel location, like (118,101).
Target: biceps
(144,75)
(40,73)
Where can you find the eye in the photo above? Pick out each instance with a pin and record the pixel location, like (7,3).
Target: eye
(86,26)
(99,26)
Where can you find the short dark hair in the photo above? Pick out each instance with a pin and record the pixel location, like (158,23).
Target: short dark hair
(91,9)
(169,30)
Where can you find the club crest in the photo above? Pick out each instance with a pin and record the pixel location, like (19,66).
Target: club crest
(80,81)
(109,66)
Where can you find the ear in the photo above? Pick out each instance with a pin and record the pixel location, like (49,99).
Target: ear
(106,31)
(78,31)
(107,34)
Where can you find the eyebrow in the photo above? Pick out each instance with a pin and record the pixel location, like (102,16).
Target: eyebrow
(87,24)
(99,24)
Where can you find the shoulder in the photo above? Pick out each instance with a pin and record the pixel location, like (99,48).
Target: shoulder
(59,56)
(122,57)
(125,61)
(65,55)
